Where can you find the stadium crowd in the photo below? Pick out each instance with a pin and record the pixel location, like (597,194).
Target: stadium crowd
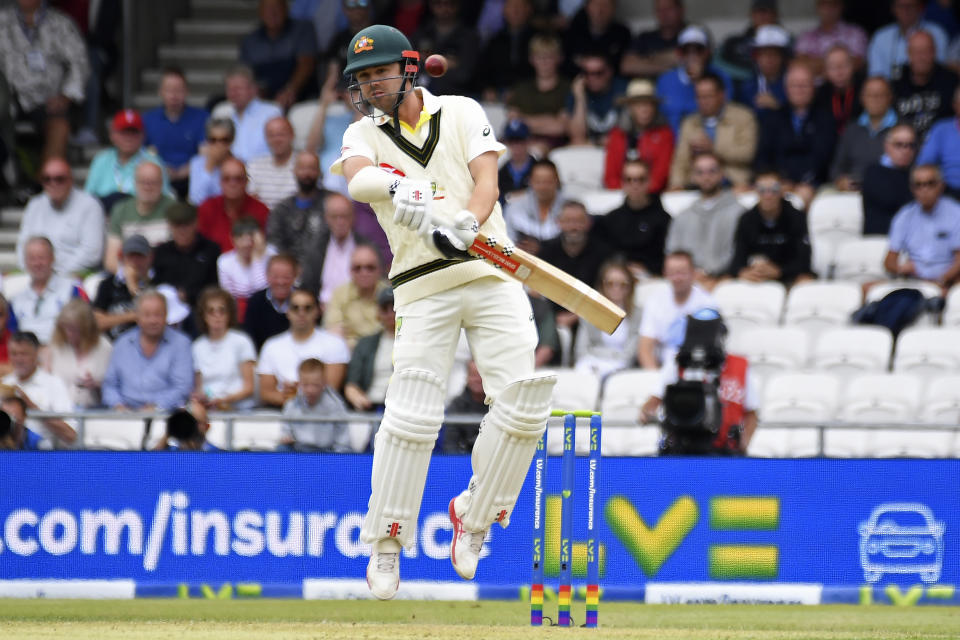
(207,261)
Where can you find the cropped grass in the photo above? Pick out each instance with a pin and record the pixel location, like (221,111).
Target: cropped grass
(401,620)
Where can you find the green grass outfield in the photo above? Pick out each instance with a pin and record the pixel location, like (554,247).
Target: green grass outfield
(400,620)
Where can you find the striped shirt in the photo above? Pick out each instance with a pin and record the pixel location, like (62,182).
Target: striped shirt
(269,183)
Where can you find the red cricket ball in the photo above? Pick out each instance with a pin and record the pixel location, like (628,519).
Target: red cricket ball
(436,65)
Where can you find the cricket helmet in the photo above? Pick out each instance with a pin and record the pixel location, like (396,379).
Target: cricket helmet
(377,45)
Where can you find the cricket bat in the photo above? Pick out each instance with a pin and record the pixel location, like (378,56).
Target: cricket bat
(550,282)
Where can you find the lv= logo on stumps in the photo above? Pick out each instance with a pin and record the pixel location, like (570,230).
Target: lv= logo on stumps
(567,486)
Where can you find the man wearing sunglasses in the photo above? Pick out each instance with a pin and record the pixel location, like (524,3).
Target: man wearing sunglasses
(69,217)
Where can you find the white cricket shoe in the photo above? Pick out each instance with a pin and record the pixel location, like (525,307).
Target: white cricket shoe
(383,570)
(465,547)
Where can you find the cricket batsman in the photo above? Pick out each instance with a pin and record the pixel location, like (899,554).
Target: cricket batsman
(428,167)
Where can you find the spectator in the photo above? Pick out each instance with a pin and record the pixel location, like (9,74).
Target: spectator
(266,314)
(925,234)
(44,61)
(771,241)
(446,33)
(541,102)
(637,230)
(113,304)
(646,138)
(112,170)
(655,51)
(505,55)
(358,14)
(941,148)
(151,367)
(406,15)
(547,352)
(316,399)
(725,129)
(706,229)
(188,261)
(595,29)
(14,435)
(597,352)
(329,124)
(573,251)
(69,217)
(862,143)
(39,390)
(676,87)
(763,88)
(335,257)
(215,217)
(887,51)
(886,184)
(459,438)
(371,363)
(205,166)
(282,54)
(532,218)
(79,354)
(352,310)
(175,129)
(223,357)
(296,224)
(250,114)
(839,91)
(736,54)
(925,89)
(798,140)
(591,105)
(145,214)
(243,271)
(326,16)
(271,176)
(283,353)
(39,304)
(832,30)
(669,305)
(514,175)
(186,430)
(8,323)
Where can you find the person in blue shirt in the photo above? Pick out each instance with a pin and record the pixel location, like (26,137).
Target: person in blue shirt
(763,91)
(675,88)
(942,148)
(14,435)
(926,232)
(175,129)
(887,52)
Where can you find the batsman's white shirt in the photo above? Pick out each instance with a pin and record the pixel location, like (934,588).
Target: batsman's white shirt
(438,150)
(436,297)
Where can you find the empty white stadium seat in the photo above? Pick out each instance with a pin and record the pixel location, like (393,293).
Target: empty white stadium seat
(645,289)
(861,260)
(580,167)
(784,442)
(852,350)
(833,219)
(941,401)
(600,202)
(749,304)
(496,116)
(801,397)
(123,434)
(772,349)
(624,392)
(256,436)
(951,312)
(748,200)
(675,202)
(928,351)
(576,390)
(301,116)
(815,306)
(882,398)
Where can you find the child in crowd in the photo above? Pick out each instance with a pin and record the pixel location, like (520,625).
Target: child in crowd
(314,398)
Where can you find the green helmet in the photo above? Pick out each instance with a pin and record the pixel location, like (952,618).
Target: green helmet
(376,45)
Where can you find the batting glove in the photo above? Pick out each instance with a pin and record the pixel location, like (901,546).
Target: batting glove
(413,200)
(448,242)
(465,227)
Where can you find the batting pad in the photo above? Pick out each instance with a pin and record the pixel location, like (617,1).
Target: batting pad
(401,455)
(501,456)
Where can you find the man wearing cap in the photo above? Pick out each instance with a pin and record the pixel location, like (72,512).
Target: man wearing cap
(728,130)
(736,54)
(675,87)
(143,214)
(188,261)
(38,305)
(371,362)
(887,52)
(646,138)
(514,176)
(813,45)
(112,170)
(655,51)
(763,90)
(72,219)
(113,304)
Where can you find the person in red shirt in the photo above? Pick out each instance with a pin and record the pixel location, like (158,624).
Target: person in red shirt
(216,215)
(647,138)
